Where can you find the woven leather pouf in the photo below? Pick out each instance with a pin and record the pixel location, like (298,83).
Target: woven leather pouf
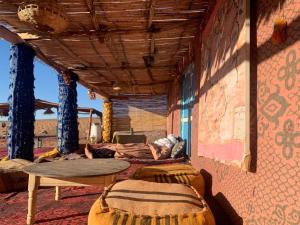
(174,173)
(138,202)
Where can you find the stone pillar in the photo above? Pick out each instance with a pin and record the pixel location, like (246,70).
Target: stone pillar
(67,124)
(21,101)
(107,121)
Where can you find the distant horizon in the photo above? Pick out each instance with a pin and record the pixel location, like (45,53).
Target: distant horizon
(79,117)
(46,85)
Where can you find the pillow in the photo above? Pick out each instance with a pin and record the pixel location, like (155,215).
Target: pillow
(159,152)
(178,149)
(164,141)
(172,138)
(140,202)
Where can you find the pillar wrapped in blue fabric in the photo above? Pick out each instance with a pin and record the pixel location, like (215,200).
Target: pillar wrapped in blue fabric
(21,100)
(67,126)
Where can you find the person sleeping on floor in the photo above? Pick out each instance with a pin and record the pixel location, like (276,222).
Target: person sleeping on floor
(164,148)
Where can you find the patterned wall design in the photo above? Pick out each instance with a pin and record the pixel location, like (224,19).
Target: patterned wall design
(224,85)
(270,195)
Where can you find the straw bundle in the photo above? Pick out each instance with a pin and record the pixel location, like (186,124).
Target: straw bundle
(45,16)
(107,117)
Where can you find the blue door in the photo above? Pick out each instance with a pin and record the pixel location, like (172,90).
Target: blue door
(187,104)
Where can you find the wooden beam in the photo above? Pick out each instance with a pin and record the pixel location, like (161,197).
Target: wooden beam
(167,67)
(182,33)
(105,85)
(107,66)
(75,56)
(150,74)
(98,89)
(90,125)
(15,39)
(125,96)
(151,37)
(151,13)
(91,7)
(95,34)
(10,36)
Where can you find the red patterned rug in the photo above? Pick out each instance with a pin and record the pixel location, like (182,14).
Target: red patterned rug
(37,151)
(72,209)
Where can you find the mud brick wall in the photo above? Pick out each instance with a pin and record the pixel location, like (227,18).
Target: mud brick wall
(270,193)
(48,127)
(147,113)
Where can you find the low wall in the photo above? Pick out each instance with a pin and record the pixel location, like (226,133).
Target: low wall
(48,128)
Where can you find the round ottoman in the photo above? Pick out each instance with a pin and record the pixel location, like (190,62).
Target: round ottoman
(12,178)
(173,173)
(138,202)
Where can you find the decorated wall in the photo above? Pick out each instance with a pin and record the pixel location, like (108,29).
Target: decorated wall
(224,85)
(270,193)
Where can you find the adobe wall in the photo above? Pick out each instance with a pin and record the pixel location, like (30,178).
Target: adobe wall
(146,113)
(270,193)
(48,127)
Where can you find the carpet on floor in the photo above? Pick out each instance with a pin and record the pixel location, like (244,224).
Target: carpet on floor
(71,209)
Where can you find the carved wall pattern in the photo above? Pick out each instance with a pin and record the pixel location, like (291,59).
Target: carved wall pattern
(270,195)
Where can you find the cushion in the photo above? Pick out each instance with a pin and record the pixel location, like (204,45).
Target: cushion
(140,202)
(12,178)
(172,138)
(50,154)
(159,152)
(178,149)
(173,173)
(47,156)
(164,142)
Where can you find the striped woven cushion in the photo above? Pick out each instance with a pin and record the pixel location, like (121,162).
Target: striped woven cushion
(174,173)
(136,202)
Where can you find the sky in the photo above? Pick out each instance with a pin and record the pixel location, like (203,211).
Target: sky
(46,85)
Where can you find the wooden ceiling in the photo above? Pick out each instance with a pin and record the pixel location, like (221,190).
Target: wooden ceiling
(133,44)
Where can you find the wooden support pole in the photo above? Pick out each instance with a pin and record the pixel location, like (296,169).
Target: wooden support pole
(90,125)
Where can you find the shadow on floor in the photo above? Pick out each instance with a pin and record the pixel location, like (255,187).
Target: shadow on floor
(223,212)
(42,221)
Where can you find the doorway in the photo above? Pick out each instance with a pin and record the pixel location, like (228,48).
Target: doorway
(188,88)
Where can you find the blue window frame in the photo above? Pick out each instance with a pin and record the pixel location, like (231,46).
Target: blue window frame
(188,88)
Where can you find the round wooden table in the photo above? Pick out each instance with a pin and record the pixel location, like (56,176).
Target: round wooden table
(81,172)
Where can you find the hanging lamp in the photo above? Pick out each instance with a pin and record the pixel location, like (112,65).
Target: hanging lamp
(48,111)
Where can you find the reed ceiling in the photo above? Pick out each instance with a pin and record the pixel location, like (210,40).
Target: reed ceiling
(133,44)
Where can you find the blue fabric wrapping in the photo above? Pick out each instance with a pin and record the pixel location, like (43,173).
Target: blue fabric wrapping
(67,126)
(20,140)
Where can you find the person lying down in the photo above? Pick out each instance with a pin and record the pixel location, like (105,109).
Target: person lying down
(164,148)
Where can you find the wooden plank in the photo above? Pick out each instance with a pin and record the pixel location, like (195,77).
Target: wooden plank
(10,36)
